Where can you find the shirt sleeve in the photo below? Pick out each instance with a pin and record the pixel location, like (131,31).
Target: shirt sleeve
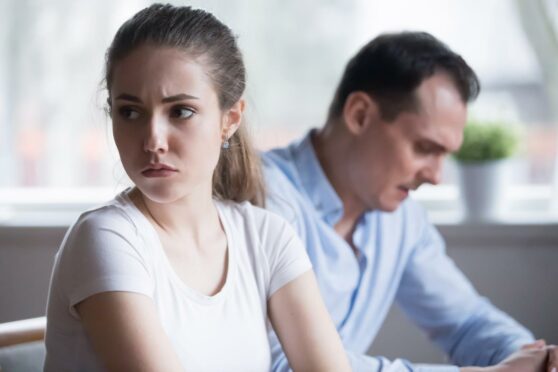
(286,255)
(438,297)
(102,254)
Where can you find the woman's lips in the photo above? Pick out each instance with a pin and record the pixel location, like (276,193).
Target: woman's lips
(150,173)
(159,170)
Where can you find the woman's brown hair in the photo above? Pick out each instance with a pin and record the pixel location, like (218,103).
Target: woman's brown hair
(237,175)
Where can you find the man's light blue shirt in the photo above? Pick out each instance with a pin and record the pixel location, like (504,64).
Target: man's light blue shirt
(400,257)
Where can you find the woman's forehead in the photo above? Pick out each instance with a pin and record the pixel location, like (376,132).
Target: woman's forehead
(163,71)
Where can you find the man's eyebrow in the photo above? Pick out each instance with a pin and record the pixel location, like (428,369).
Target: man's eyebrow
(437,146)
(178,97)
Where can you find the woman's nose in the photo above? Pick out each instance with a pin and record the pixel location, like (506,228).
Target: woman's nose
(156,138)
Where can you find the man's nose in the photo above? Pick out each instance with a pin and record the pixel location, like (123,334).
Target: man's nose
(156,137)
(432,172)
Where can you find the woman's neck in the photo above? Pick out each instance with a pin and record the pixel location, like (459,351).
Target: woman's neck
(192,217)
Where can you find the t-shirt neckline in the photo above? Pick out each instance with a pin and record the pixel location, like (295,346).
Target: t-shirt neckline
(190,292)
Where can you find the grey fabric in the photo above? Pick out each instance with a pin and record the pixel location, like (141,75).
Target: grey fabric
(28,357)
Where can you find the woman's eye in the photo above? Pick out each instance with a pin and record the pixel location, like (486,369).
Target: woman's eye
(182,113)
(129,113)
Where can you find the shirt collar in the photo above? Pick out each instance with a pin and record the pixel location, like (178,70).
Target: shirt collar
(314,181)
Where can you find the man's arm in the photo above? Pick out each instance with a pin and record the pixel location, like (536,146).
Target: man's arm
(436,296)
(529,359)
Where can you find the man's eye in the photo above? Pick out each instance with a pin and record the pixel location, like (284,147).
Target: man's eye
(421,148)
(426,149)
(129,113)
(182,112)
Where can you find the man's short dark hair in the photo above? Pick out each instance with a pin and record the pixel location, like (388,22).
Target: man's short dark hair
(390,68)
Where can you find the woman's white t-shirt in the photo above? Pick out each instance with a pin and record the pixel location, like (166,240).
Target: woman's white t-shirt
(115,248)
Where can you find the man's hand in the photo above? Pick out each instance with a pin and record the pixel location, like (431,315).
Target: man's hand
(535,345)
(531,358)
(552,364)
(535,357)
(552,357)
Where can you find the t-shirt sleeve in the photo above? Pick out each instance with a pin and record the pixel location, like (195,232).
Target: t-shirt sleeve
(102,253)
(287,256)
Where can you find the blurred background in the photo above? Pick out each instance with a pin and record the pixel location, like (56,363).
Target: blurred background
(57,155)
(54,133)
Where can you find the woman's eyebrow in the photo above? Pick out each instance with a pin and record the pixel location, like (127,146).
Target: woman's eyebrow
(178,97)
(128,97)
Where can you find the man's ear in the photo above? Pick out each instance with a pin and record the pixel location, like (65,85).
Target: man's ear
(359,112)
(232,119)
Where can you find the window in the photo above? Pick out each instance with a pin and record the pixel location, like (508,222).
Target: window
(55,135)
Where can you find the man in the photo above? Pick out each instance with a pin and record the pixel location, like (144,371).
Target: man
(399,110)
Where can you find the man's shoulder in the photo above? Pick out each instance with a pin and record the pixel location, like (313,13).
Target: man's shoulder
(284,191)
(279,165)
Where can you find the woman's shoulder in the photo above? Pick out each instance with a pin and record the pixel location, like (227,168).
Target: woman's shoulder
(108,233)
(250,213)
(267,226)
(116,215)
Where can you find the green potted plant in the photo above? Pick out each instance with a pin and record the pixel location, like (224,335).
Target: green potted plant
(483,163)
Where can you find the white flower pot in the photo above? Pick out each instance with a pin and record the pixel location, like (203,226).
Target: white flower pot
(483,188)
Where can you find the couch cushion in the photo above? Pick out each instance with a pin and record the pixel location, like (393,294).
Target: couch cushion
(27,357)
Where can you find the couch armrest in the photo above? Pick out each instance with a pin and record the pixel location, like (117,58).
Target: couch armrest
(22,331)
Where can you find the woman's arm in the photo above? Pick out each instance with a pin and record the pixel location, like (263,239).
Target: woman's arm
(305,330)
(126,333)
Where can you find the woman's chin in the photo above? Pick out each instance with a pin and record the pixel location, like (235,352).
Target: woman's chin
(162,194)
(167,193)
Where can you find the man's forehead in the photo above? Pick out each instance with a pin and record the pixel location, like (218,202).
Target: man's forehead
(443,130)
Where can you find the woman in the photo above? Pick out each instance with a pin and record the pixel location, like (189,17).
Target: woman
(181,272)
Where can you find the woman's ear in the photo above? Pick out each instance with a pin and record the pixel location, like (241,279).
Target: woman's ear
(233,119)
(108,107)
(359,112)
